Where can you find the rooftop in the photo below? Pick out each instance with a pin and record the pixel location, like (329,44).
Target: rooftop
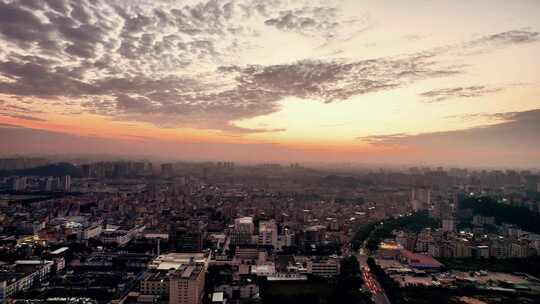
(244,220)
(420,260)
(217,297)
(191,271)
(60,250)
(177,260)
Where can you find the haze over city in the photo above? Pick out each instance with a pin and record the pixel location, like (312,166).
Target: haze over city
(269,151)
(433,82)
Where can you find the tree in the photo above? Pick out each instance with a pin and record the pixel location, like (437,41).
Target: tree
(372,244)
(349,283)
(349,266)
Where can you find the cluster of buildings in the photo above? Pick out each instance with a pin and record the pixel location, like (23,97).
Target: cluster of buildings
(22,275)
(184,232)
(414,269)
(508,242)
(477,237)
(19,163)
(412,259)
(116,169)
(38,184)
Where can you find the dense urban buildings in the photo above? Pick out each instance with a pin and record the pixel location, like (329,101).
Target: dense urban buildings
(269,152)
(217,232)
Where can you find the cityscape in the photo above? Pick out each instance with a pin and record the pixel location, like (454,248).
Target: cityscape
(269,152)
(216,232)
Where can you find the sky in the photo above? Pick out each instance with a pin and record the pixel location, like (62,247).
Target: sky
(418,81)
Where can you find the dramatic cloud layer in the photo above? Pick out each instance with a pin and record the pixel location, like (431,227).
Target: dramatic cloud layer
(178,66)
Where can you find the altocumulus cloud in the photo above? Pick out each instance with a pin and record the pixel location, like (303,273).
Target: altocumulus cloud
(175,65)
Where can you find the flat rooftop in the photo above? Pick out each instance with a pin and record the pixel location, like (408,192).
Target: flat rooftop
(217,297)
(177,260)
(60,250)
(190,271)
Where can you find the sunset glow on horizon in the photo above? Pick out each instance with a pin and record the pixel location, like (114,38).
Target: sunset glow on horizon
(256,80)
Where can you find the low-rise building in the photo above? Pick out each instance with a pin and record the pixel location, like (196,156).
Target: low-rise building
(22,275)
(323,267)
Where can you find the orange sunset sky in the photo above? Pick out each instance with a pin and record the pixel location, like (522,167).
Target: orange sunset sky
(434,82)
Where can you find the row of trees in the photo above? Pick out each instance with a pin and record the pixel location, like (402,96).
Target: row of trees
(349,283)
(362,234)
(390,287)
(374,232)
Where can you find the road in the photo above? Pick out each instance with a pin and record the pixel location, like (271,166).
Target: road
(377,293)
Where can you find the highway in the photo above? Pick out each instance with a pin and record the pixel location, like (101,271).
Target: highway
(378,295)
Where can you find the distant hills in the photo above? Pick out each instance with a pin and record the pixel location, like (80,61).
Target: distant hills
(58,169)
(343,181)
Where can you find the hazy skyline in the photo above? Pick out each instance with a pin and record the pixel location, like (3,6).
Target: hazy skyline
(448,82)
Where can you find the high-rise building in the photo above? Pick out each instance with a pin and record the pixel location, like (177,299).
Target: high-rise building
(138,167)
(448,225)
(244,224)
(167,169)
(483,220)
(187,284)
(285,239)
(323,267)
(499,249)
(462,249)
(19,184)
(314,235)
(49,184)
(87,170)
(268,233)
(182,239)
(532,182)
(242,231)
(420,199)
(65,183)
(442,209)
